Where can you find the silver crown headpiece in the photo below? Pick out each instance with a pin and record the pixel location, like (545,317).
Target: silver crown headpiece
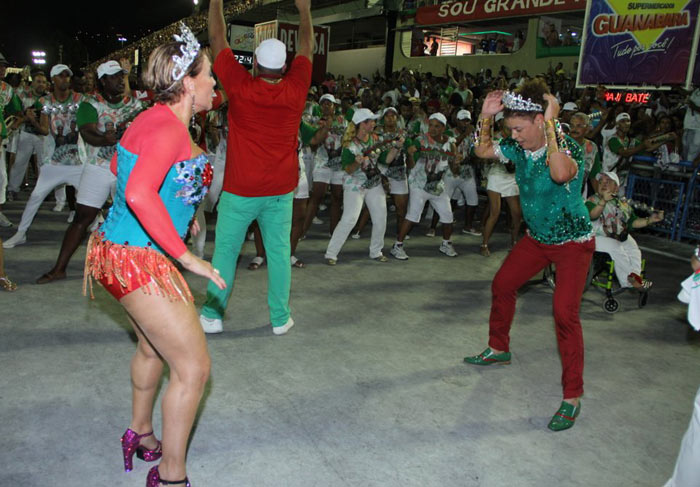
(189,49)
(517,103)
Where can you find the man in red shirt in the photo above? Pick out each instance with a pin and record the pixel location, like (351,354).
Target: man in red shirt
(261,160)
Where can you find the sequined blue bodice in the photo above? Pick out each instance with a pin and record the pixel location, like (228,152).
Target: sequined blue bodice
(183,188)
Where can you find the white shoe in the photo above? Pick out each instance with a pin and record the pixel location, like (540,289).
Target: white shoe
(281,330)
(250,237)
(447,249)
(322,207)
(355,236)
(211,325)
(430,233)
(4,221)
(15,240)
(317,221)
(471,231)
(59,207)
(71,216)
(398,252)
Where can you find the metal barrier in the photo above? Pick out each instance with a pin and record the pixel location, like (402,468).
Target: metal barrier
(675,190)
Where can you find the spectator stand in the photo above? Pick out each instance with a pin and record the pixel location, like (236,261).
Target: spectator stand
(666,189)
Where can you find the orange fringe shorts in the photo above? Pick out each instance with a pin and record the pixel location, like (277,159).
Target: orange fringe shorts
(122,269)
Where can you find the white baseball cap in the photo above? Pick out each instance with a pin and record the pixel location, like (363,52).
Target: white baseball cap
(109,68)
(439,117)
(609,174)
(389,109)
(363,114)
(271,54)
(464,115)
(622,116)
(570,106)
(59,68)
(330,98)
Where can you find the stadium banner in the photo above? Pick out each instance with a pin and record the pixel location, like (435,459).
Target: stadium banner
(635,43)
(289,35)
(471,10)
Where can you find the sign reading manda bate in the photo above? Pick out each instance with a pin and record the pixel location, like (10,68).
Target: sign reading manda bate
(469,10)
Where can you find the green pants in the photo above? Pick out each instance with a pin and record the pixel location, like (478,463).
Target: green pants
(274,216)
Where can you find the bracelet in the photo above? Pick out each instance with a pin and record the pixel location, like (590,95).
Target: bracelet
(482,134)
(556,142)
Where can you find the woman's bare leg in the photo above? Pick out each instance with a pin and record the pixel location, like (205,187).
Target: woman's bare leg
(172,330)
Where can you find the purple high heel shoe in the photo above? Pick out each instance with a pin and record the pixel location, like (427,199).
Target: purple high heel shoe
(131,443)
(153,479)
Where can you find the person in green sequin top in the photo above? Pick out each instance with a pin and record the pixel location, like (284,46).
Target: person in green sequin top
(549,168)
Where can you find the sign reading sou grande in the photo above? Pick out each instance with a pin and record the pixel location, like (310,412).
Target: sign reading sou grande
(469,10)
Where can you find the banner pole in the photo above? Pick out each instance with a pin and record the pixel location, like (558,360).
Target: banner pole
(583,46)
(693,52)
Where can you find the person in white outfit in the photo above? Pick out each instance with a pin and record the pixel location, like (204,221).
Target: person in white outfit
(429,157)
(61,162)
(613,219)
(686,473)
(362,151)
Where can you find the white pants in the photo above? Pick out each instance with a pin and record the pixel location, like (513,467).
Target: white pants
(627,256)
(375,199)
(687,470)
(50,177)
(212,197)
(96,184)
(327,175)
(691,144)
(441,203)
(27,145)
(3,174)
(454,186)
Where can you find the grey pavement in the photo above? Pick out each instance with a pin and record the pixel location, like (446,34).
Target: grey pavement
(369,387)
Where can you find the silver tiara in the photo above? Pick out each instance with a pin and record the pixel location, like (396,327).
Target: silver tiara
(189,49)
(517,103)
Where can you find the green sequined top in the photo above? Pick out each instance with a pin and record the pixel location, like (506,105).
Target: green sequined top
(554,213)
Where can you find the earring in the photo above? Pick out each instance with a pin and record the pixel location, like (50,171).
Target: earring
(193,122)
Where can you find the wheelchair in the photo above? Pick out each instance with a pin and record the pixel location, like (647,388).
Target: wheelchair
(601,276)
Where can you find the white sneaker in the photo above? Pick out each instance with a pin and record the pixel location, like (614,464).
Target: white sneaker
(471,231)
(281,330)
(58,208)
(4,221)
(430,233)
(355,236)
(317,221)
(322,207)
(15,240)
(398,252)
(447,249)
(71,216)
(211,325)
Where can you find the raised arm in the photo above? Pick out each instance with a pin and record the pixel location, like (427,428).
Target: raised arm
(217,28)
(562,168)
(306,29)
(484,144)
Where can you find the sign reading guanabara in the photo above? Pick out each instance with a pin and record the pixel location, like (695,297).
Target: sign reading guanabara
(463,10)
(638,43)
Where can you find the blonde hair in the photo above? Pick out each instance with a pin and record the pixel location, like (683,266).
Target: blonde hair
(159,72)
(349,134)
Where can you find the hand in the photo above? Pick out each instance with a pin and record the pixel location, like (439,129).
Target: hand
(303,4)
(552,110)
(493,104)
(194,227)
(412,149)
(202,268)
(656,217)
(110,137)
(125,64)
(605,195)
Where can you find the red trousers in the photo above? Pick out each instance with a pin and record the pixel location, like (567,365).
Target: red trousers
(527,258)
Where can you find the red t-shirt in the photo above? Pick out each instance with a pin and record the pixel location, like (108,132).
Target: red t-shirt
(261,155)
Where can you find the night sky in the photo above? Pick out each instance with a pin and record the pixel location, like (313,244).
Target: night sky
(87,30)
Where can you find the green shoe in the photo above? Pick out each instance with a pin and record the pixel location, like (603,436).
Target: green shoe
(487,357)
(565,417)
